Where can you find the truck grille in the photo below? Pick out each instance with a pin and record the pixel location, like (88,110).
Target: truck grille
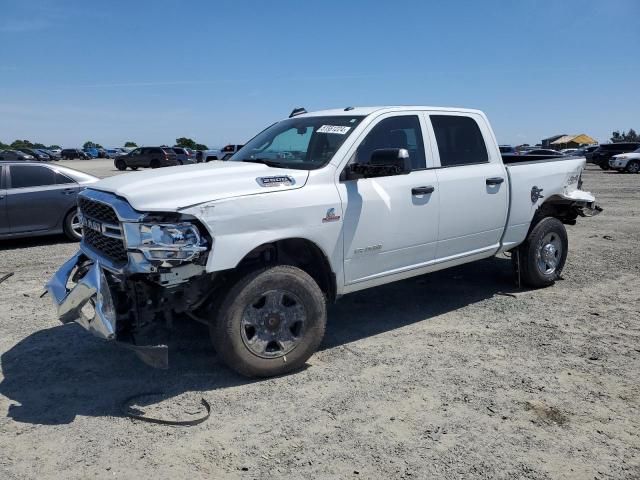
(98,211)
(101,230)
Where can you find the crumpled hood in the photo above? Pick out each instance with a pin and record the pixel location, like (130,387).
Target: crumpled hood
(174,188)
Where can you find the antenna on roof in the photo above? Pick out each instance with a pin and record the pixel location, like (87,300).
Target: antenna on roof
(297,111)
(348,108)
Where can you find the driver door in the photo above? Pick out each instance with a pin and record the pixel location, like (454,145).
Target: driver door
(390,222)
(135,158)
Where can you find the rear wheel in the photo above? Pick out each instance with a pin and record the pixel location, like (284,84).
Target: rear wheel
(543,253)
(121,164)
(155,163)
(605,165)
(270,322)
(72,226)
(633,166)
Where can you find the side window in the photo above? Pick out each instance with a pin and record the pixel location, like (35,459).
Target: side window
(459,140)
(395,132)
(23,176)
(62,179)
(137,151)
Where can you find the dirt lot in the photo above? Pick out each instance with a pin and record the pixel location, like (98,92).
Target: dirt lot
(451,375)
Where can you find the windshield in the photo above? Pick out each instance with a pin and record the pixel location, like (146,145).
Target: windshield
(304,143)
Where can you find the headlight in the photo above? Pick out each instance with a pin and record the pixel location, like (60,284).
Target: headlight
(163,241)
(621,157)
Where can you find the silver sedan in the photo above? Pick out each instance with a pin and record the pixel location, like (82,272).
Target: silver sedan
(40,199)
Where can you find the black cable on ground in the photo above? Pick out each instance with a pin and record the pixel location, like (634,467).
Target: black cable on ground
(124,408)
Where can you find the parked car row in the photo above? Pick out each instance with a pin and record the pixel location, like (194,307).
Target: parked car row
(156,157)
(602,155)
(624,156)
(30,154)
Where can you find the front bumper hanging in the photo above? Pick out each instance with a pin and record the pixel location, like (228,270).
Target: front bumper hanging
(90,303)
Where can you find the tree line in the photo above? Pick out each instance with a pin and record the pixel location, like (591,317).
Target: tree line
(183,142)
(630,136)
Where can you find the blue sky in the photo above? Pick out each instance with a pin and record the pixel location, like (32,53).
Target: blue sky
(219,71)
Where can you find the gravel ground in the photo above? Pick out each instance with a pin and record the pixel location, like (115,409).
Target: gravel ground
(456,374)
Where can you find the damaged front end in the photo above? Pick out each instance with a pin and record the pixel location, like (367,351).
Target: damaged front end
(133,273)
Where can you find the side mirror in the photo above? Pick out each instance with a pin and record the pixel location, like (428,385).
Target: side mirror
(385,162)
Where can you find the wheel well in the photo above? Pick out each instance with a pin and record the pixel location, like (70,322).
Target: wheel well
(556,207)
(297,252)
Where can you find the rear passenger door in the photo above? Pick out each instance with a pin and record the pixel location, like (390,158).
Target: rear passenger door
(35,199)
(473,185)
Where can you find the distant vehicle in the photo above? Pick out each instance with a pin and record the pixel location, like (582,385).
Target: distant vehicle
(585,151)
(53,156)
(229,150)
(15,155)
(153,157)
(55,151)
(508,149)
(115,152)
(73,153)
(569,151)
(92,152)
(544,151)
(223,153)
(40,199)
(184,155)
(601,155)
(626,162)
(37,154)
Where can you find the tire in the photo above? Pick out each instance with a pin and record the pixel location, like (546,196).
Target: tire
(633,166)
(180,162)
(543,253)
(121,165)
(269,322)
(71,226)
(604,165)
(155,163)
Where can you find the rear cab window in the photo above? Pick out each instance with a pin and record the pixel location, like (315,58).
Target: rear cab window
(459,140)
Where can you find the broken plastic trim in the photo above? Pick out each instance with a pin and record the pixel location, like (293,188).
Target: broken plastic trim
(93,290)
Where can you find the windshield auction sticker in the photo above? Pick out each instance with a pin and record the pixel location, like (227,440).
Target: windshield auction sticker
(333,129)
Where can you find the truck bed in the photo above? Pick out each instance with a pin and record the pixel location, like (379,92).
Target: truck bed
(556,177)
(510,158)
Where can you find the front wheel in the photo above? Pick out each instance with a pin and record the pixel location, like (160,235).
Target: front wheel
(543,254)
(270,322)
(633,166)
(121,165)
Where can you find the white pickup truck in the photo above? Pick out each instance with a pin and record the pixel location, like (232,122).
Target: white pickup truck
(314,207)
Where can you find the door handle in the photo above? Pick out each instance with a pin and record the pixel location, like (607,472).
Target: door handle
(495,180)
(422,190)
